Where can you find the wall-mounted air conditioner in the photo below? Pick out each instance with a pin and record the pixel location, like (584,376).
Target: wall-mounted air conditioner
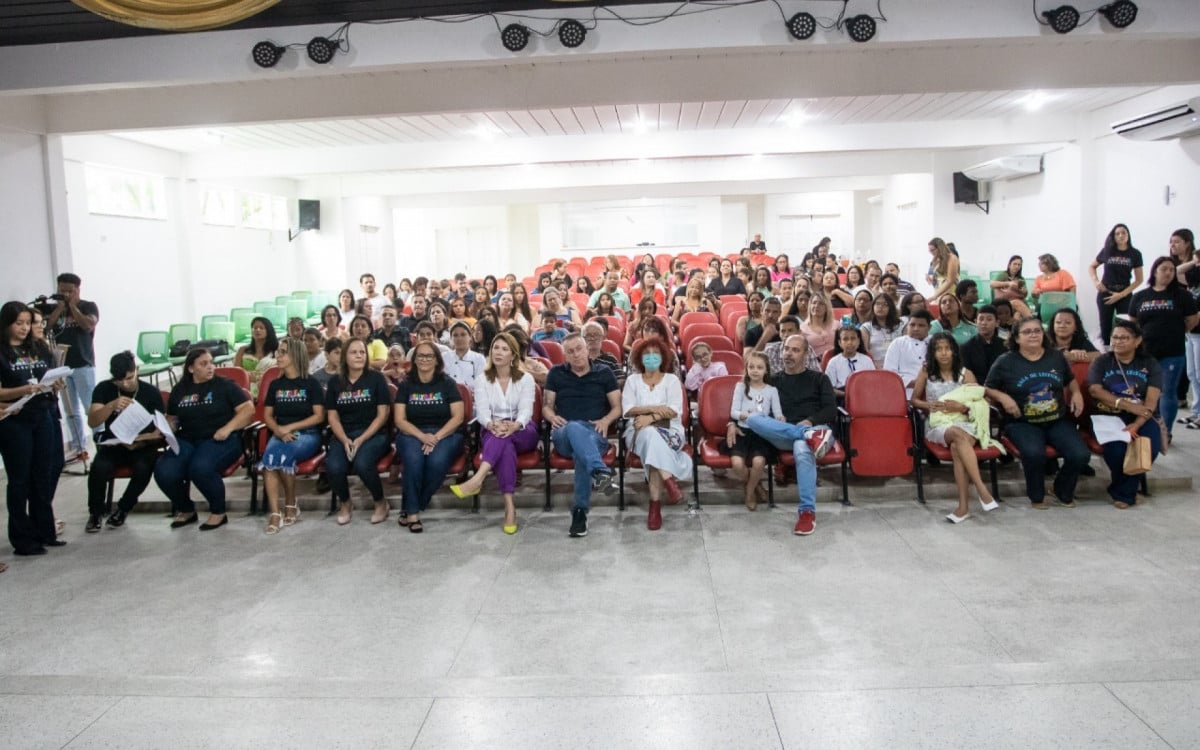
(1178,121)
(1005,168)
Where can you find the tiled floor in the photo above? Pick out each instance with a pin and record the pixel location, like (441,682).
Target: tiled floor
(887,628)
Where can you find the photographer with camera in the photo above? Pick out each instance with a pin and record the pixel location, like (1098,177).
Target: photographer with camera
(73,323)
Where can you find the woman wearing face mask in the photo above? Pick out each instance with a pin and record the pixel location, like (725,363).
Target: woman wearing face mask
(653,402)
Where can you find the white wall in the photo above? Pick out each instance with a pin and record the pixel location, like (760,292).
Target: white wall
(906,223)
(24,214)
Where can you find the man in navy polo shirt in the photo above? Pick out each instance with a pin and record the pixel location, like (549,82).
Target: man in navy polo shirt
(580,401)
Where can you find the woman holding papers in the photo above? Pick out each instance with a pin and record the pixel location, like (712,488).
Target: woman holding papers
(210,412)
(133,402)
(1126,383)
(28,436)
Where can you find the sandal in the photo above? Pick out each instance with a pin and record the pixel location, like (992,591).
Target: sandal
(291,520)
(416,527)
(59,527)
(272,527)
(403,519)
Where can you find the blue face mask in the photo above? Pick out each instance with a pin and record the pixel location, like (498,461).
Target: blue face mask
(652,362)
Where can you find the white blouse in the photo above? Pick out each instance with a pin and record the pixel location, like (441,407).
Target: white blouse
(668,392)
(493,404)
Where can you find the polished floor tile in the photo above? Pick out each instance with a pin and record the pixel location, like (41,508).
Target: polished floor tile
(1169,708)
(41,722)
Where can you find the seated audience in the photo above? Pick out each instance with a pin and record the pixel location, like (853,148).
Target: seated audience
(982,350)
(333,362)
(703,367)
(820,328)
(906,355)
(259,355)
(1067,336)
(463,365)
(294,412)
(549,330)
(848,360)
(357,405)
(748,452)
(951,319)
(314,348)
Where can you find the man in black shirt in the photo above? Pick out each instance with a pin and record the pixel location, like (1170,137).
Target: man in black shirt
(758,245)
(807,399)
(389,332)
(420,311)
(982,350)
(580,401)
(73,322)
(758,337)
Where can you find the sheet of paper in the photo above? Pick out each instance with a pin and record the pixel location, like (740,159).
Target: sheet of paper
(52,376)
(130,422)
(164,426)
(17,404)
(1109,429)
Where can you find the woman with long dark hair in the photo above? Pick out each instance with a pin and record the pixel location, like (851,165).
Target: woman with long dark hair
(209,413)
(1183,253)
(357,404)
(1127,382)
(347,307)
(29,441)
(881,328)
(1067,335)
(1122,275)
(1166,312)
(259,355)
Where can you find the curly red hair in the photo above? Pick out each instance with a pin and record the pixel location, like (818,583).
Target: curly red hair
(662,345)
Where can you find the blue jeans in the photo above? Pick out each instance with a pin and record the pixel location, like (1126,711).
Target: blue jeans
(1168,402)
(338,465)
(1193,369)
(281,456)
(80,385)
(1124,487)
(1031,440)
(201,463)
(791,437)
(423,474)
(580,441)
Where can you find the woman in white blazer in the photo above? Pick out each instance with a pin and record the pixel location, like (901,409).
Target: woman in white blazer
(504,411)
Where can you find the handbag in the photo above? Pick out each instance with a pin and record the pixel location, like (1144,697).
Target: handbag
(180,348)
(1137,456)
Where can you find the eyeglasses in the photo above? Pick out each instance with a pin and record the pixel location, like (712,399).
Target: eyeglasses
(1031,332)
(1120,338)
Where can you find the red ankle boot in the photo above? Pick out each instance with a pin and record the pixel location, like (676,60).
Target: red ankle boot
(654,518)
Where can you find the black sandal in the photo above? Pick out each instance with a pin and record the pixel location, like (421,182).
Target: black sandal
(403,520)
(416,527)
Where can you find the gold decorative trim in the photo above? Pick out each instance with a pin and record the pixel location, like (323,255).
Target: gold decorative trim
(176,15)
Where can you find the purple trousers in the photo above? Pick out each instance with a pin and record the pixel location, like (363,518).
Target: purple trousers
(501,453)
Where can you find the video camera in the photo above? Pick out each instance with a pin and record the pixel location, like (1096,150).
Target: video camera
(46,303)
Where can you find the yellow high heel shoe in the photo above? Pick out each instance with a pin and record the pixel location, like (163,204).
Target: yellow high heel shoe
(510,529)
(460,493)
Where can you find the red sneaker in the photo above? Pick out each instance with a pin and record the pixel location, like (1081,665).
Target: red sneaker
(819,442)
(674,494)
(654,518)
(805,523)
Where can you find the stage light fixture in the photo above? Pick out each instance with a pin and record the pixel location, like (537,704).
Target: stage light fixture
(861,28)
(571,33)
(1121,13)
(514,37)
(321,50)
(266,54)
(802,25)
(1062,19)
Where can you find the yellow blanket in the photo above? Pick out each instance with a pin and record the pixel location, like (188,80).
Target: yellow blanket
(971,396)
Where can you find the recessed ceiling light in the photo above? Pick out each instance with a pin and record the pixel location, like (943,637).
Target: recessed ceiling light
(1034,100)
(795,119)
(641,126)
(486,132)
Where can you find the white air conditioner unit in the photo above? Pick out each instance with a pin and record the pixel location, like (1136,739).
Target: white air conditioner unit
(1005,168)
(1172,122)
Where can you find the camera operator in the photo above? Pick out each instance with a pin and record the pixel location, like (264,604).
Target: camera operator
(73,322)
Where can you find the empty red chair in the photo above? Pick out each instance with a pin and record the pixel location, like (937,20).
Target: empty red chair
(581,302)
(692,318)
(718,343)
(236,374)
(613,348)
(732,360)
(825,359)
(879,437)
(554,352)
(725,299)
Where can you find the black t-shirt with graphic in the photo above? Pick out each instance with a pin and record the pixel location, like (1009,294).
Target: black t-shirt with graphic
(358,403)
(147,395)
(1118,267)
(1161,314)
(1036,386)
(204,408)
(427,405)
(293,399)
(20,365)
(82,352)
(1125,381)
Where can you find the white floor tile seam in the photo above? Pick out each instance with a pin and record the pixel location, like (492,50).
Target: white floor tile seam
(1137,714)
(997,675)
(94,721)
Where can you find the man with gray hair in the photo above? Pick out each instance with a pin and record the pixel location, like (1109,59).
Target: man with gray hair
(593,336)
(808,403)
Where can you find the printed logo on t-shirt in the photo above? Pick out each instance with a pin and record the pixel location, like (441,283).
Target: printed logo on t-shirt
(193,399)
(291,395)
(356,396)
(426,399)
(1041,403)
(1119,260)
(25,363)
(1156,305)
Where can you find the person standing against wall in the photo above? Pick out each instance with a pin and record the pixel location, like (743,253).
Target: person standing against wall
(1122,263)
(74,321)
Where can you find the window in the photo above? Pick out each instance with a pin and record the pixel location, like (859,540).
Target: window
(117,192)
(232,208)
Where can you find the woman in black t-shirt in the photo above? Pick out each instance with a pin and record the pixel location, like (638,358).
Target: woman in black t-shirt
(1122,274)
(429,411)
(30,443)
(1166,312)
(109,399)
(293,411)
(357,404)
(727,282)
(1128,383)
(209,413)
(1187,273)
(1027,382)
